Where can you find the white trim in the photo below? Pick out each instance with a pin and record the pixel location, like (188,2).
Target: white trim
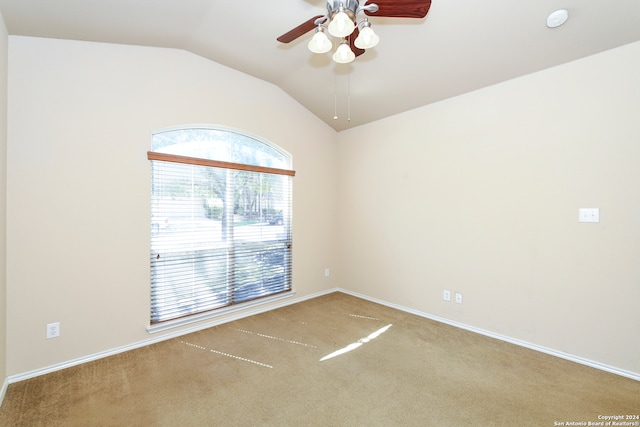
(261,309)
(285,302)
(546,350)
(3,390)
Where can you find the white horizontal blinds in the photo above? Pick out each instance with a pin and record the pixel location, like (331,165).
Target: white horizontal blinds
(219,236)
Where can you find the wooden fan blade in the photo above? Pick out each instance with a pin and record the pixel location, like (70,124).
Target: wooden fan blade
(401,9)
(300,30)
(352,40)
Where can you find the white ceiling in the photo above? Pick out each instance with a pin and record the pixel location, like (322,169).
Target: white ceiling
(461,45)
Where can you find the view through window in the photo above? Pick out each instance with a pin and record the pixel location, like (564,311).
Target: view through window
(220,221)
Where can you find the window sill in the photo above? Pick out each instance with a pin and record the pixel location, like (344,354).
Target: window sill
(260,305)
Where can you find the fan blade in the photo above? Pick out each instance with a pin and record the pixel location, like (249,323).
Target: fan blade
(352,40)
(401,9)
(300,30)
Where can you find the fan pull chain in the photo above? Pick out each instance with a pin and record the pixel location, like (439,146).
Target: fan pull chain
(335,98)
(349,98)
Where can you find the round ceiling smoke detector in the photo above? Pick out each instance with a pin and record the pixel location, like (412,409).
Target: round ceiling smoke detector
(557,18)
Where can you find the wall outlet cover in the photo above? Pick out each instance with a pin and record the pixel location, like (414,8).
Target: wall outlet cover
(53,330)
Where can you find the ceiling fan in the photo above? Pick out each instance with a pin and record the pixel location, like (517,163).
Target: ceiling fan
(355,34)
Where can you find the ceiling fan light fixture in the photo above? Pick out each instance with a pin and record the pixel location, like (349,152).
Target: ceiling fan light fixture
(367,38)
(320,43)
(344,54)
(341,24)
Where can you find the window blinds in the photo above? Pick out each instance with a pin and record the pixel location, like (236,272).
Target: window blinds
(220,234)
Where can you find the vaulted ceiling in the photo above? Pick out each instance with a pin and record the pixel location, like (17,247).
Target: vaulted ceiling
(460,46)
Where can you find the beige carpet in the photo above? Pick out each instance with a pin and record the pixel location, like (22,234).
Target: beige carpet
(267,371)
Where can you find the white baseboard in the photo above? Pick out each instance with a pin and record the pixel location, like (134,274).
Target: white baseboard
(213,322)
(3,391)
(550,351)
(261,309)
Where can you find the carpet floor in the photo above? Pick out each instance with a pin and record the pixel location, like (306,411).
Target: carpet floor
(335,360)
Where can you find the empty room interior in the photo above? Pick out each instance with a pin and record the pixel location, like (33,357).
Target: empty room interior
(474,173)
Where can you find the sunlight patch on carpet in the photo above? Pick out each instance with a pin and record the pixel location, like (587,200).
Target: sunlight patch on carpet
(274,338)
(243,359)
(357,344)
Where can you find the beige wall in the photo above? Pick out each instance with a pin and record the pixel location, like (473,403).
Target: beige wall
(480,194)
(80,119)
(3,197)
(477,194)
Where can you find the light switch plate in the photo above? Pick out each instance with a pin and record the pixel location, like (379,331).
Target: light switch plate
(589,215)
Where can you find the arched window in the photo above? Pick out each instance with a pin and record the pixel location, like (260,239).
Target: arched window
(220,220)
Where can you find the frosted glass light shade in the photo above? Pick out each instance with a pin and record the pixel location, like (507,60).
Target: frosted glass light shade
(320,43)
(341,25)
(366,39)
(343,54)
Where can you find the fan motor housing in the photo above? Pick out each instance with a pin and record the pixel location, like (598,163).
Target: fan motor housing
(350,7)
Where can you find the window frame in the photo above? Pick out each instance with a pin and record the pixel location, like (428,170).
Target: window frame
(197,161)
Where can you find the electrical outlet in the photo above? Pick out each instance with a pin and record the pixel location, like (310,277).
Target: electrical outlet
(53,330)
(458,298)
(326,272)
(446,295)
